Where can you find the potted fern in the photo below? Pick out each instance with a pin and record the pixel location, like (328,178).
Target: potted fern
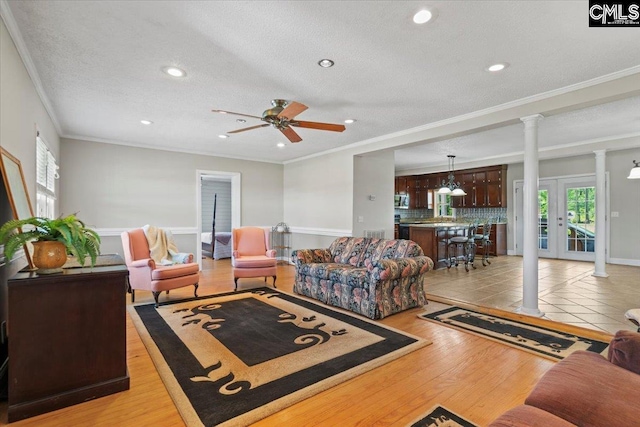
(52,239)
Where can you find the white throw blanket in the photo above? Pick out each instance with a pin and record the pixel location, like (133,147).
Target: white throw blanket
(162,248)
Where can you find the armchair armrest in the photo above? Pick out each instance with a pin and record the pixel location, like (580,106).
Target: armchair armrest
(271,253)
(624,350)
(389,269)
(308,256)
(143,263)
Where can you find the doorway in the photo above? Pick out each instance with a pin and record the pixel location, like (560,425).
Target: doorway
(234,221)
(566,217)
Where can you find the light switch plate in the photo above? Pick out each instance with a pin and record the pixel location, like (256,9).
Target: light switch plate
(615,214)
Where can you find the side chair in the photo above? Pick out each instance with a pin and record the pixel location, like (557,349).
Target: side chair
(146,275)
(252,255)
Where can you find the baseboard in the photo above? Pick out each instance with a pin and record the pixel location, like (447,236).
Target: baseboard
(623,261)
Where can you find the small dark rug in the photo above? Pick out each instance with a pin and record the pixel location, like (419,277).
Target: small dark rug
(234,358)
(537,339)
(441,417)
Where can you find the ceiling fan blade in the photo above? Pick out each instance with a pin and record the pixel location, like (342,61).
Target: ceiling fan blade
(317,125)
(249,128)
(292,110)
(291,134)
(237,114)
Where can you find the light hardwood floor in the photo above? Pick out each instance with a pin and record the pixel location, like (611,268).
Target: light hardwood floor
(475,377)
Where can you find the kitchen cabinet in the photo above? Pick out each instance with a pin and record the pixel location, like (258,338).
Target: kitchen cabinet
(421,197)
(485,188)
(401,185)
(396,231)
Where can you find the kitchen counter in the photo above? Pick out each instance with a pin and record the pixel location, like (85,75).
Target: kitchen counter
(431,237)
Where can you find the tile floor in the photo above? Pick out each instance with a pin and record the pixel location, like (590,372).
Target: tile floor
(568,292)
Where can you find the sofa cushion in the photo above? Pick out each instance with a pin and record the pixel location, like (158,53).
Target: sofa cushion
(390,249)
(529,416)
(339,273)
(587,390)
(349,250)
(624,350)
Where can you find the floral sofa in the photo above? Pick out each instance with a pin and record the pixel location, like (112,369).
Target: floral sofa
(372,277)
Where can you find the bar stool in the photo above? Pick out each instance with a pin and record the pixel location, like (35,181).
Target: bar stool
(466,243)
(483,240)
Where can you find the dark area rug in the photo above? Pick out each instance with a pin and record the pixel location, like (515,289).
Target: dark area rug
(441,417)
(540,340)
(232,359)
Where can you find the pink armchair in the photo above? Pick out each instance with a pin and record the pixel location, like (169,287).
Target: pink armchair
(146,275)
(252,256)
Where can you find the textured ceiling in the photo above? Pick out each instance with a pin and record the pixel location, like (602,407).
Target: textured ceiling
(100,64)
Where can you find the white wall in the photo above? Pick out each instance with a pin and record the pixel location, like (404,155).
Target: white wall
(21,112)
(318,199)
(118,187)
(373,175)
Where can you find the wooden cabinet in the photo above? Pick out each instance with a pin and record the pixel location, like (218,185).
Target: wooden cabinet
(67,338)
(499,238)
(401,185)
(422,196)
(396,231)
(485,188)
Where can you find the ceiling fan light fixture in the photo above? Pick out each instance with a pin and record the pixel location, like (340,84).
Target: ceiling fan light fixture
(223,136)
(326,63)
(635,171)
(349,121)
(146,122)
(280,144)
(174,71)
(497,67)
(241,121)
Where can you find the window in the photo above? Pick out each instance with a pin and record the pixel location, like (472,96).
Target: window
(46,174)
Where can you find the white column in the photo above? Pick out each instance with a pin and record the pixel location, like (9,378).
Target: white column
(601,212)
(530,218)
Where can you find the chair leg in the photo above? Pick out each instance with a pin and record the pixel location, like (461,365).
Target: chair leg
(167,292)
(133,295)
(195,290)
(235,280)
(274,281)
(155,296)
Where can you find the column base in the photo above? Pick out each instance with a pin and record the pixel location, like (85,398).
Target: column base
(529,311)
(600,274)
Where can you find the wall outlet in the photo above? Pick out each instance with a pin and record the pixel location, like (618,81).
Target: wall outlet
(360,219)
(615,214)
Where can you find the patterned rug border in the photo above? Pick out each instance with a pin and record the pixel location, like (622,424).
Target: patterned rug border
(520,346)
(416,421)
(183,403)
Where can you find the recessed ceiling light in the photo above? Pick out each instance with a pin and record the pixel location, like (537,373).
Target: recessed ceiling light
(146,122)
(497,67)
(241,121)
(223,136)
(280,144)
(174,71)
(325,63)
(423,16)
(349,121)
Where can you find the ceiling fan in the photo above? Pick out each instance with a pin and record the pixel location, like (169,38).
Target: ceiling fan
(282,116)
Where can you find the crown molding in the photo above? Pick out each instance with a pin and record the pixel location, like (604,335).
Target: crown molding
(480,113)
(18,40)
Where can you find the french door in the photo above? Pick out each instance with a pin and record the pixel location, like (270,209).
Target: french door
(566,218)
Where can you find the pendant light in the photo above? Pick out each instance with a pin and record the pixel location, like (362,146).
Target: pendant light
(635,171)
(451,187)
